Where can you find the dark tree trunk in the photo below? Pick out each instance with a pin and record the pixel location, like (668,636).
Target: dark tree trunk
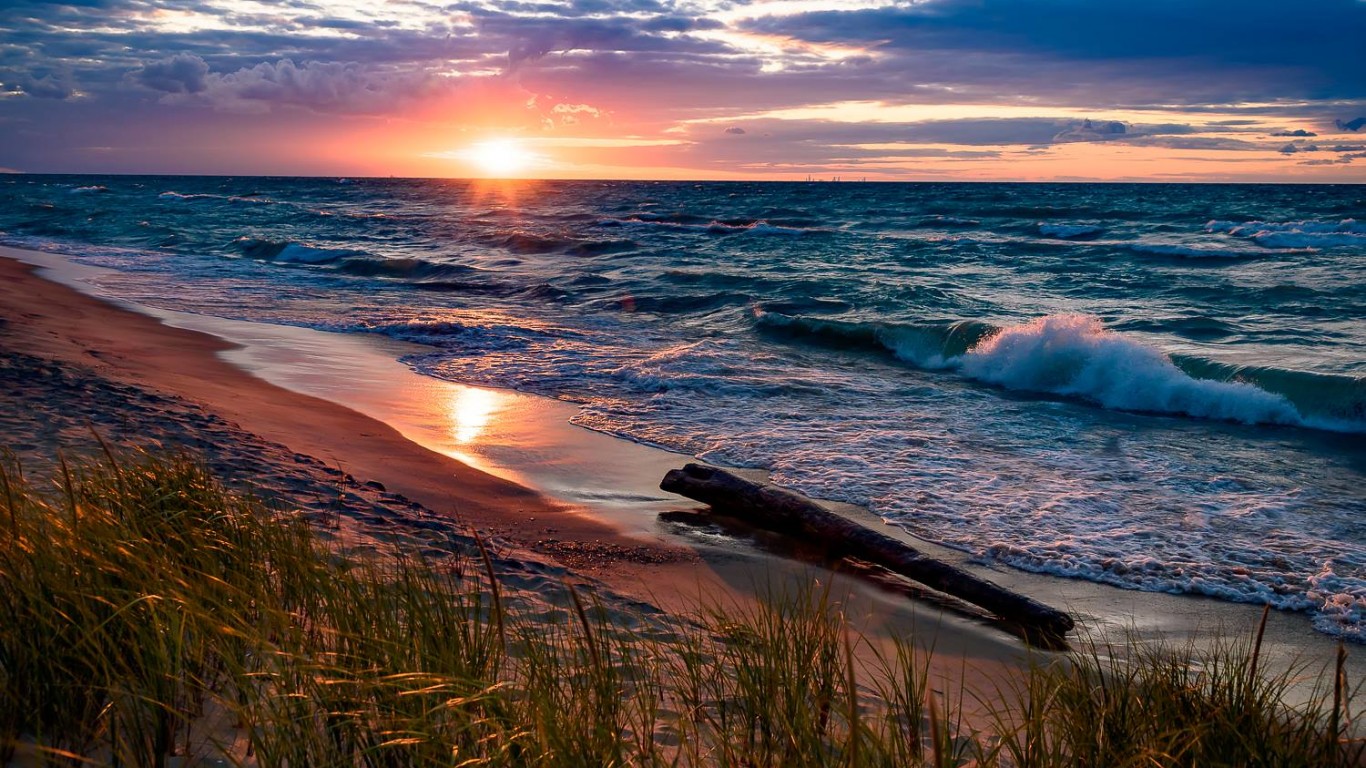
(788,513)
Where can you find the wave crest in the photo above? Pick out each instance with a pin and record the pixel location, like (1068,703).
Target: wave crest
(1312,233)
(1074,355)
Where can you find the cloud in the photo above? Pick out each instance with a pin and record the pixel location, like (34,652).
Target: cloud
(531,38)
(47,86)
(1350,125)
(1180,48)
(1215,143)
(1089,131)
(181,73)
(701,68)
(1005,131)
(318,86)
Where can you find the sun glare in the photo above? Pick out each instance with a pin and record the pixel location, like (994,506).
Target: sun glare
(500,158)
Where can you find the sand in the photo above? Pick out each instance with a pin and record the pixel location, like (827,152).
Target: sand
(302,411)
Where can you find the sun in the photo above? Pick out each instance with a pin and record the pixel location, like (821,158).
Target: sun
(500,158)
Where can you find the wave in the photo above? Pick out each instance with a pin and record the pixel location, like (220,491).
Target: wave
(290,252)
(415,273)
(1070,231)
(249,197)
(416,270)
(168,195)
(677,303)
(675,220)
(940,220)
(759,227)
(93,189)
(468,334)
(1076,356)
(714,226)
(602,247)
(527,244)
(927,345)
(1199,327)
(1328,401)
(1176,250)
(1312,233)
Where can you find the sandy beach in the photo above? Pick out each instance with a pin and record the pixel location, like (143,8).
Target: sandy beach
(257,402)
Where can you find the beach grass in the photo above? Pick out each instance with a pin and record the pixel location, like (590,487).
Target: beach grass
(149,616)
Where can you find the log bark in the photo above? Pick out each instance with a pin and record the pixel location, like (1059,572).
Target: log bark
(788,513)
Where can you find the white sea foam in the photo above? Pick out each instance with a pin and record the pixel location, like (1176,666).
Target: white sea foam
(169,195)
(1196,251)
(755,228)
(1075,355)
(1311,233)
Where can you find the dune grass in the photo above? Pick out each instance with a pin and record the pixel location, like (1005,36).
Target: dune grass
(150,617)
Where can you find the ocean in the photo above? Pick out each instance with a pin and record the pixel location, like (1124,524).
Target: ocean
(1159,387)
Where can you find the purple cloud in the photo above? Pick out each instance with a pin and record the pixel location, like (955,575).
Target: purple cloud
(181,73)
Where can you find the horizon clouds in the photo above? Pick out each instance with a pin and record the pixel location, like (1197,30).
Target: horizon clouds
(937,89)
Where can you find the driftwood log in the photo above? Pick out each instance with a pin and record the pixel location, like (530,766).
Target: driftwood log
(788,513)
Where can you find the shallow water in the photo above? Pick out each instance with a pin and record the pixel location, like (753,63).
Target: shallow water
(1159,387)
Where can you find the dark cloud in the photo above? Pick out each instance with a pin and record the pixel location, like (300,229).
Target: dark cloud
(736,130)
(1351,125)
(533,37)
(1215,143)
(181,73)
(1091,131)
(1244,46)
(319,86)
(826,138)
(1298,133)
(47,86)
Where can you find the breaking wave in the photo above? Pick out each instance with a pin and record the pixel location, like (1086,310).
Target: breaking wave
(1070,231)
(290,252)
(1076,356)
(1311,233)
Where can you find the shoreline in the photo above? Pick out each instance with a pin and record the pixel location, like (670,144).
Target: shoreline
(631,552)
(54,321)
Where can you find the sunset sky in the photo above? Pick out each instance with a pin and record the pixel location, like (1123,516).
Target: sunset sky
(1163,90)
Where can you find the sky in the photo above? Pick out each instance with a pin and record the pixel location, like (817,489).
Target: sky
(1030,90)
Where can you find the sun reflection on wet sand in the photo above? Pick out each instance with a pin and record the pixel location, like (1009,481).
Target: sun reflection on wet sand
(471,410)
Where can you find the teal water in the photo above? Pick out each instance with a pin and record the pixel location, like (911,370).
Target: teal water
(1160,387)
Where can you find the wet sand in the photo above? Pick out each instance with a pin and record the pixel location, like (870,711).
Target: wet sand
(511,467)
